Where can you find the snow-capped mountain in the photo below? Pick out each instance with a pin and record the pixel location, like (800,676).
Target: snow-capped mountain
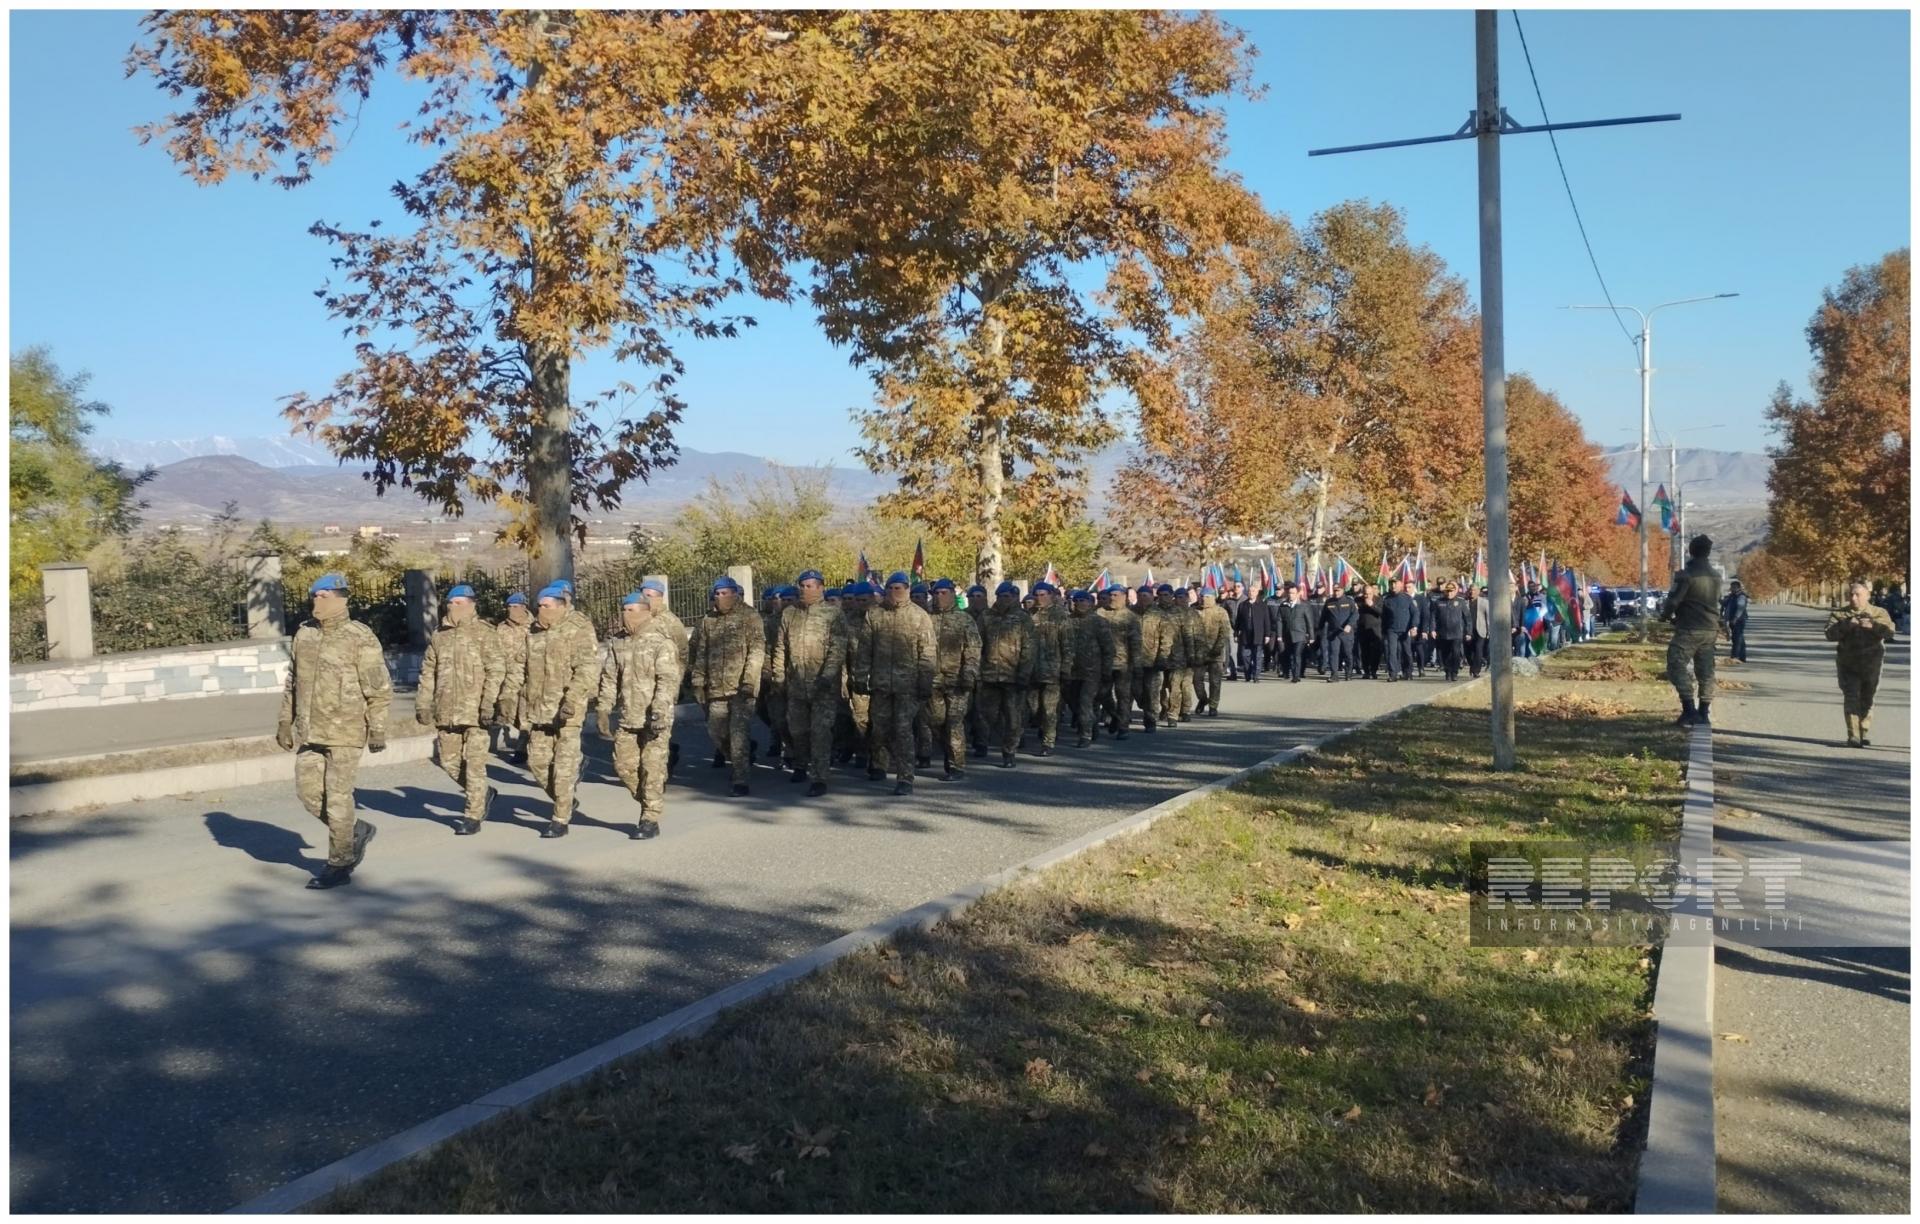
(273,452)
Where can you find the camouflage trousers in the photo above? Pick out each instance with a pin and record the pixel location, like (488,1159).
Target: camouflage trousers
(1146,692)
(1206,680)
(978,729)
(891,730)
(553,757)
(463,753)
(771,705)
(1859,681)
(640,758)
(323,778)
(923,731)
(1690,657)
(1005,712)
(1116,698)
(1176,692)
(850,732)
(810,719)
(1085,695)
(946,714)
(1043,703)
(730,726)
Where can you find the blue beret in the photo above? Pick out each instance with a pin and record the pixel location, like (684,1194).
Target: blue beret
(633,597)
(553,591)
(834,593)
(517,599)
(1048,587)
(1006,588)
(1146,588)
(328,582)
(724,583)
(919,588)
(1165,588)
(898,578)
(814,575)
(565,585)
(1113,587)
(463,591)
(976,589)
(859,588)
(1077,596)
(947,584)
(655,585)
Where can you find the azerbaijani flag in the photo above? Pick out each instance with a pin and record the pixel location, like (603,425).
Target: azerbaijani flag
(1629,515)
(1052,576)
(1405,568)
(1534,621)
(1342,573)
(1560,592)
(1386,574)
(1664,505)
(1104,581)
(1480,569)
(1238,578)
(919,560)
(1270,571)
(1420,569)
(1149,581)
(1208,580)
(1299,568)
(862,572)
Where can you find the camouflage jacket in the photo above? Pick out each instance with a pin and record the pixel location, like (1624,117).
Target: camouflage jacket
(1127,649)
(461,676)
(1050,634)
(337,690)
(640,680)
(1089,648)
(560,674)
(1693,604)
(724,654)
(856,676)
(1859,644)
(810,649)
(1009,647)
(770,626)
(957,655)
(900,651)
(1161,642)
(1215,631)
(513,660)
(1192,635)
(669,626)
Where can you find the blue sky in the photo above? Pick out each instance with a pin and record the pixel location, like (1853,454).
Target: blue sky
(193,308)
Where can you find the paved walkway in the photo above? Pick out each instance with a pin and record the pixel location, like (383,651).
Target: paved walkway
(1811,1111)
(191,1027)
(46,734)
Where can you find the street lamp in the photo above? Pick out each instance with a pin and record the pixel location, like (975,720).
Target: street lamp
(1646,418)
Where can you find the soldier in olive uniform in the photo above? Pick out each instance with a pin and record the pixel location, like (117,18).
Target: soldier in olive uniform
(640,681)
(1693,605)
(335,703)
(978,732)
(1116,702)
(563,662)
(1091,649)
(1043,693)
(856,602)
(675,631)
(725,654)
(771,705)
(460,681)
(956,674)
(1008,652)
(809,660)
(898,661)
(1208,652)
(1171,653)
(1861,632)
(922,596)
(512,633)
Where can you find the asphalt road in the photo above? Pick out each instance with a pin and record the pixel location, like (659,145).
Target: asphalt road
(1812,1108)
(191,1027)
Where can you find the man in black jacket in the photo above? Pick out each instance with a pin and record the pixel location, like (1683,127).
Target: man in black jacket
(1368,631)
(1479,623)
(1398,619)
(1296,623)
(1316,643)
(1338,629)
(1230,604)
(1252,626)
(1447,628)
(1733,614)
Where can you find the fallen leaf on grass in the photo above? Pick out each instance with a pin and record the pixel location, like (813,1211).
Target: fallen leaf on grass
(1302,1003)
(1291,920)
(1131,873)
(1269,1077)
(743,1152)
(1016,993)
(1093,1151)
(1433,1097)
(1562,1053)
(956,1098)
(1737,1038)
(1351,1114)
(1039,1069)
(778,1177)
(1206,1020)
(896,981)
(1419,1019)
(1574,1202)
(1038,1113)
(1080,937)
(813,1145)
(1144,1076)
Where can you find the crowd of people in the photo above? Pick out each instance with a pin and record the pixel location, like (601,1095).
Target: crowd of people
(878,678)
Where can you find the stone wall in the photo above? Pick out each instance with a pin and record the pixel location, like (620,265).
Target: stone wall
(173,674)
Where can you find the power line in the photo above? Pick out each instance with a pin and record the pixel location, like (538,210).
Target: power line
(1544,118)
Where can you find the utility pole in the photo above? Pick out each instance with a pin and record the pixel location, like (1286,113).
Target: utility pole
(1485,125)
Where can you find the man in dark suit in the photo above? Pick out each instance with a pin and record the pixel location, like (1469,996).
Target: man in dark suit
(1398,620)
(1252,626)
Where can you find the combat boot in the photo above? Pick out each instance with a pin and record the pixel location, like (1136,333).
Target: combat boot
(903,787)
(923,761)
(876,775)
(980,751)
(1853,730)
(739,789)
(1701,719)
(555,828)
(1006,760)
(953,773)
(1687,713)
(799,775)
(644,830)
(332,877)
(818,789)
(362,834)
(1866,720)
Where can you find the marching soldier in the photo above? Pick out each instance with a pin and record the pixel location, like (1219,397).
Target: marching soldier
(724,654)
(1116,700)
(1090,647)
(334,705)
(956,674)
(1187,621)
(1043,697)
(856,601)
(674,630)
(505,720)
(771,705)
(640,682)
(1693,606)
(809,660)
(1155,648)
(1861,631)
(1213,646)
(562,668)
(460,681)
(899,666)
(1008,653)
(978,731)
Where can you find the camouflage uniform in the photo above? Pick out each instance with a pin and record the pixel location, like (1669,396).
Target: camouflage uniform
(460,681)
(1859,653)
(641,681)
(513,662)
(1206,653)
(809,660)
(772,703)
(956,674)
(553,694)
(726,652)
(978,729)
(1693,605)
(334,704)
(1090,649)
(1161,653)
(1180,676)
(1009,650)
(897,659)
(850,729)
(1116,699)
(1043,696)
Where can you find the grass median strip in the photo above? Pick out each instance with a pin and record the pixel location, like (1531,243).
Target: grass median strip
(1267,1002)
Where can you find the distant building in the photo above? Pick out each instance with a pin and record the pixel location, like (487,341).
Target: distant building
(330,529)
(368,531)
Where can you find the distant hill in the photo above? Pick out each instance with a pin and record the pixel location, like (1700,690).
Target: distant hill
(1712,478)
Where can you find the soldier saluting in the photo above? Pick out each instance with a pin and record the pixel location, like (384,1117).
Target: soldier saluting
(334,706)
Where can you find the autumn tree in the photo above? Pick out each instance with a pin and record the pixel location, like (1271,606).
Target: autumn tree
(550,220)
(1839,494)
(959,181)
(62,501)
(1561,500)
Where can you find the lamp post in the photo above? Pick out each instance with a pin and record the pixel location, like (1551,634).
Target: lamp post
(1646,418)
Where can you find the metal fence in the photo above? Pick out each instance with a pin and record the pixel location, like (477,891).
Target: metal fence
(27,629)
(155,606)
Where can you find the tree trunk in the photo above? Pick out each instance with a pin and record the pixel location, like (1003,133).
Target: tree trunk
(1325,480)
(990,565)
(550,467)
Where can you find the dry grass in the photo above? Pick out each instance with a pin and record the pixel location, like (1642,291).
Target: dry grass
(1265,1003)
(1570,707)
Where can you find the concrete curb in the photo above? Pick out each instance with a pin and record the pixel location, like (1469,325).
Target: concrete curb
(697,1017)
(1679,1167)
